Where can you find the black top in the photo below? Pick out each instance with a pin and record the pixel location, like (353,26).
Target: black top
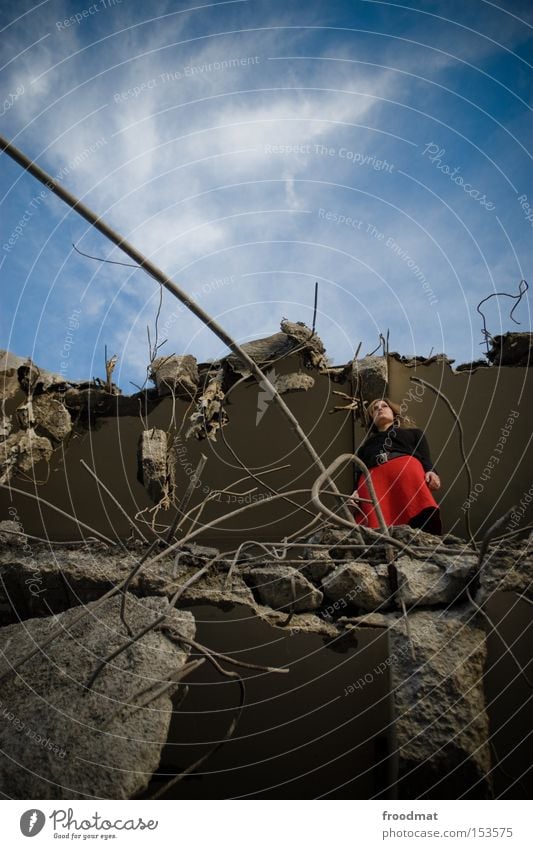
(394,441)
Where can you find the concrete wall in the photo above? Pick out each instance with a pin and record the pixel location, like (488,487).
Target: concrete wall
(491,404)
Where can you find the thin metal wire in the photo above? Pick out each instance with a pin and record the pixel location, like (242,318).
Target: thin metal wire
(517,298)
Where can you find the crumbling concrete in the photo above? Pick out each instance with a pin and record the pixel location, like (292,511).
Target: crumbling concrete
(294,337)
(295,382)
(16,370)
(512,349)
(442,728)
(21,451)
(63,741)
(441,580)
(155,469)
(11,533)
(178,375)
(318,586)
(44,581)
(441,725)
(48,416)
(359,585)
(370,376)
(282,588)
(507,569)
(210,414)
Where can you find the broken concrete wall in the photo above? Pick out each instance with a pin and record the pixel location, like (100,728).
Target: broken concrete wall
(62,740)
(106,428)
(311,593)
(436,656)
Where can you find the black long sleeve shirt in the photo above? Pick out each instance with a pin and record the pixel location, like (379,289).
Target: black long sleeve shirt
(395,440)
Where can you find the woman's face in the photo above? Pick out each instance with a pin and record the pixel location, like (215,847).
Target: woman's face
(381,414)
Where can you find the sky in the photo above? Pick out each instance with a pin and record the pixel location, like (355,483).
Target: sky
(250,148)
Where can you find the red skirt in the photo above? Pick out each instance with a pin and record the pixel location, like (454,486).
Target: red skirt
(403,495)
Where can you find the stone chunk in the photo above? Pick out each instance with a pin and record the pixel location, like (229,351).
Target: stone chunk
(371,375)
(175,374)
(316,569)
(507,570)
(48,416)
(441,580)
(512,349)
(153,468)
(359,585)
(5,426)
(63,741)
(294,382)
(310,345)
(21,451)
(282,588)
(40,582)
(442,729)
(11,533)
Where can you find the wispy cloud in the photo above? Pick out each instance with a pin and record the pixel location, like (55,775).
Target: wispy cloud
(242,143)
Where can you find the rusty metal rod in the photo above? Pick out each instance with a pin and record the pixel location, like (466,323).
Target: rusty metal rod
(164,280)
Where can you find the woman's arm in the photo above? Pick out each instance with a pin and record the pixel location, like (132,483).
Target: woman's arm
(423,454)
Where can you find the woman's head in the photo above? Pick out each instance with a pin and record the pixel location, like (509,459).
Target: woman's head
(383,413)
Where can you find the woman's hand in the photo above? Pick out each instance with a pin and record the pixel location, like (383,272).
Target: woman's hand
(433,480)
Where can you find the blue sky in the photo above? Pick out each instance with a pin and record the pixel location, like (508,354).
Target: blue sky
(251,148)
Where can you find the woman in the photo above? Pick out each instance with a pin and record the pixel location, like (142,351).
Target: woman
(398,458)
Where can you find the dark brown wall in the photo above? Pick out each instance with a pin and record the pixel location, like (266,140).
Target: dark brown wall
(484,401)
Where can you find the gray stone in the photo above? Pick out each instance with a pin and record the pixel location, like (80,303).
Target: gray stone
(282,587)
(441,580)
(175,374)
(261,351)
(316,569)
(10,375)
(21,451)
(310,345)
(294,336)
(506,570)
(63,741)
(294,382)
(6,426)
(442,728)
(11,533)
(370,375)
(154,470)
(210,414)
(359,585)
(48,416)
(42,581)
(512,349)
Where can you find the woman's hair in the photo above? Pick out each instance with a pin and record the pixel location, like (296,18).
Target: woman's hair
(399,419)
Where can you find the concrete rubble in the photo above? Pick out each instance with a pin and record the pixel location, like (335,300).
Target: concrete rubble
(155,466)
(48,416)
(436,668)
(370,376)
(511,349)
(283,588)
(441,725)
(338,583)
(296,382)
(178,375)
(21,452)
(88,743)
